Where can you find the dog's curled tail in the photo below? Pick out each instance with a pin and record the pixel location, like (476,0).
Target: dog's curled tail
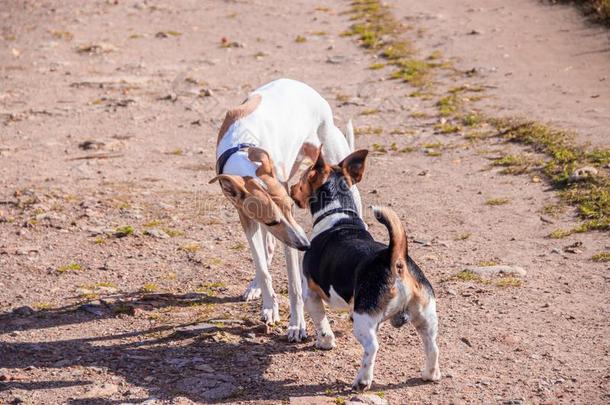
(398,239)
(349,135)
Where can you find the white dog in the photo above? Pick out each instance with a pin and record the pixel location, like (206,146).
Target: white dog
(261,145)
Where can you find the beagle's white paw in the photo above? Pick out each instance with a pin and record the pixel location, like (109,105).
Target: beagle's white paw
(326,341)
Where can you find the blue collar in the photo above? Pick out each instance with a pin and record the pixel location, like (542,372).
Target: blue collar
(224,157)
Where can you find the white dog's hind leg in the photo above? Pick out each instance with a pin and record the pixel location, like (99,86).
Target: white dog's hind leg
(426,323)
(365,330)
(254,234)
(297,328)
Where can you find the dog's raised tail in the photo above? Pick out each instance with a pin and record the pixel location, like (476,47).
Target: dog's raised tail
(349,135)
(398,239)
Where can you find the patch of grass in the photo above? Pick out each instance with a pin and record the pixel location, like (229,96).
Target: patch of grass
(553,209)
(407,149)
(435,55)
(214,261)
(560,233)
(42,306)
(376,66)
(434,153)
(467,275)
(177,152)
(601,257)
(412,71)
(463,236)
(487,263)
(449,105)
(149,288)
(434,145)
(107,284)
(402,131)
(300,39)
(173,233)
(513,164)
(447,128)
(368,130)
(100,240)
(472,120)
(190,247)
(69,267)
(379,148)
(89,296)
(152,223)
(238,246)
(509,282)
(370,111)
(419,115)
(123,231)
(497,201)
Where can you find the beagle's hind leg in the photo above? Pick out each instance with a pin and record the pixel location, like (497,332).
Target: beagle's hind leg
(365,330)
(426,323)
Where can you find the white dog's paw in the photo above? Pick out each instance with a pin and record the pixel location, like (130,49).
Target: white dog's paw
(271,315)
(252,291)
(297,331)
(325,341)
(363,382)
(431,375)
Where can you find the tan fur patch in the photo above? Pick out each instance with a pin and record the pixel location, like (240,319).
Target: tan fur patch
(317,289)
(237,113)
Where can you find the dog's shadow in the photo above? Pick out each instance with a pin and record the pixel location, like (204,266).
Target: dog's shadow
(164,361)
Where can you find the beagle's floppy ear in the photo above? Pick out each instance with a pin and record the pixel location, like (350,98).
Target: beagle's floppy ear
(353,165)
(261,156)
(232,186)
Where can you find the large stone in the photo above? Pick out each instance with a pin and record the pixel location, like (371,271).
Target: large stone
(196,329)
(367,399)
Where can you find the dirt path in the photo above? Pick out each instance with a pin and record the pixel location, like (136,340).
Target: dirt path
(151,80)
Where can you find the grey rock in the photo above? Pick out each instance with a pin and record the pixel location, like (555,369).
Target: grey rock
(92,309)
(196,329)
(582,173)
(23,311)
(156,233)
(368,399)
(500,270)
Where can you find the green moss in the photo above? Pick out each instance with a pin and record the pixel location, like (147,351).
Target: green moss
(378,148)
(370,111)
(69,267)
(447,128)
(368,131)
(190,247)
(397,50)
(497,201)
(412,71)
(449,105)
(123,231)
(560,233)
(149,288)
(509,282)
(601,257)
(467,275)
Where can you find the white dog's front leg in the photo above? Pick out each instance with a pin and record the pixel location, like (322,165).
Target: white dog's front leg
(254,234)
(297,328)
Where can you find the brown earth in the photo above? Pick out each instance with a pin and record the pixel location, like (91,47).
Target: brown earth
(151,81)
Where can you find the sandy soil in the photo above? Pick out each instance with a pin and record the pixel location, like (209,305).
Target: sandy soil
(91,317)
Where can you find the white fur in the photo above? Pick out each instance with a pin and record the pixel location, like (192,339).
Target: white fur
(290,113)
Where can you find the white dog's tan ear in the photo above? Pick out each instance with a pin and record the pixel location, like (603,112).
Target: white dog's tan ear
(261,156)
(232,186)
(353,165)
